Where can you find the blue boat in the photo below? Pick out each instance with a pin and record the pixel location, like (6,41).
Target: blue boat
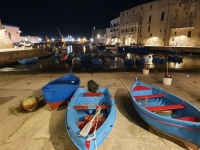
(128,62)
(60,90)
(28,61)
(133,49)
(166,112)
(97,63)
(90,117)
(56,56)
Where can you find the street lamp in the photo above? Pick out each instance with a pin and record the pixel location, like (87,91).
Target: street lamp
(93,32)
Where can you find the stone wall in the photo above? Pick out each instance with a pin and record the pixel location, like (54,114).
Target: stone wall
(13,56)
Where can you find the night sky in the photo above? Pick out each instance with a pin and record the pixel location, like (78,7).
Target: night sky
(72,17)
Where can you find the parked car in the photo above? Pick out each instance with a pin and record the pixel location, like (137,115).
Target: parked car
(25,43)
(16,44)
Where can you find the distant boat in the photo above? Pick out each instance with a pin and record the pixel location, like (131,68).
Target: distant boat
(128,62)
(56,56)
(90,117)
(28,61)
(136,49)
(60,90)
(166,112)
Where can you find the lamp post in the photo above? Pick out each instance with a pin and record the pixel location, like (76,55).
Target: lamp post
(93,32)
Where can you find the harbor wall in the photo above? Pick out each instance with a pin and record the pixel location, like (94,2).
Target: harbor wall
(9,57)
(175,48)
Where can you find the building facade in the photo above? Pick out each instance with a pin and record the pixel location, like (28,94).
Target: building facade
(161,23)
(112,33)
(32,39)
(99,35)
(11,32)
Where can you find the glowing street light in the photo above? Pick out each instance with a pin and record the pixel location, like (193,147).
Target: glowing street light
(52,39)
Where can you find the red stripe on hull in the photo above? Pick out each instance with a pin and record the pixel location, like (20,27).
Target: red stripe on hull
(56,104)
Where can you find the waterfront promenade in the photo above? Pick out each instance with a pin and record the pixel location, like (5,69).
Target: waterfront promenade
(44,129)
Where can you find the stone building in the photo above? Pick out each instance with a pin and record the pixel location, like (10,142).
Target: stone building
(99,35)
(112,33)
(11,32)
(4,42)
(161,23)
(32,39)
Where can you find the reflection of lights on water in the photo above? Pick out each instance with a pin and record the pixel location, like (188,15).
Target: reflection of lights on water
(176,65)
(84,49)
(40,66)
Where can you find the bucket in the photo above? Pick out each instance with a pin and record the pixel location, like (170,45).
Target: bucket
(167,81)
(145,71)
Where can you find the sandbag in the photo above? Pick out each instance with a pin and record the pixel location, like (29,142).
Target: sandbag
(92,86)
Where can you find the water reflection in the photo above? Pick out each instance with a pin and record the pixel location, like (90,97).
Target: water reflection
(110,60)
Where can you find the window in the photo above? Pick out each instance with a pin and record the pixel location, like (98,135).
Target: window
(150,19)
(142,8)
(126,29)
(175,33)
(123,14)
(132,29)
(189,34)
(151,34)
(162,16)
(149,28)
(133,10)
(127,12)
(151,7)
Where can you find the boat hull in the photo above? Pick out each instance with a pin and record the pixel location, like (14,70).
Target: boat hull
(28,61)
(101,133)
(183,130)
(60,90)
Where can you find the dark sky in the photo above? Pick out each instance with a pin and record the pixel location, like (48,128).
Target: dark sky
(72,17)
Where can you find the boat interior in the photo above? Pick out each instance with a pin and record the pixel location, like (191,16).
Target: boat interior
(165,104)
(89,104)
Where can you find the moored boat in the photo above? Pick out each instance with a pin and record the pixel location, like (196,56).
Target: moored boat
(90,117)
(166,112)
(60,90)
(28,60)
(128,62)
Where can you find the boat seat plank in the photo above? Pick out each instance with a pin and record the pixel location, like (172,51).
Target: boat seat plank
(85,107)
(92,94)
(138,88)
(149,96)
(167,107)
(192,119)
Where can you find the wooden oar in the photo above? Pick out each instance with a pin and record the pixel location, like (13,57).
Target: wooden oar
(84,132)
